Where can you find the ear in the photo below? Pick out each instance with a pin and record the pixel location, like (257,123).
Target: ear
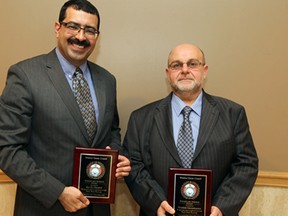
(96,39)
(167,72)
(205,71)
(57,27)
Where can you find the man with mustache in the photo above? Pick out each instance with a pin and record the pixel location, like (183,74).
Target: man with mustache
(221,140)
(42,121)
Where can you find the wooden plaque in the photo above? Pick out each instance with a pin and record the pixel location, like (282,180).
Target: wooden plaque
(94,173)
(190,191)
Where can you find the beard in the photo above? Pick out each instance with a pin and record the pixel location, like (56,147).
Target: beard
(192,86)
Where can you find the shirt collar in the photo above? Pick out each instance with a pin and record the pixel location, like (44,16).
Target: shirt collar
(178,104)
(69,68)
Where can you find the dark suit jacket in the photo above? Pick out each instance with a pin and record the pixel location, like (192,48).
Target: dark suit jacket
(224,145)
(40,125)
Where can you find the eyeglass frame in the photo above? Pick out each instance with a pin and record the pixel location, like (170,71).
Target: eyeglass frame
(181,64)
(79,28)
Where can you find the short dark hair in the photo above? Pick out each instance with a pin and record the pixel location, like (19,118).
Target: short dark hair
(82,5)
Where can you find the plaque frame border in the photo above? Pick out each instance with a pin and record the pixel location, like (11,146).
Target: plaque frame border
(112,179)
(191,172)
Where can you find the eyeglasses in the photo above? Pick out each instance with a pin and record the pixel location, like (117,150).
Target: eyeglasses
(191,64)
(75,28)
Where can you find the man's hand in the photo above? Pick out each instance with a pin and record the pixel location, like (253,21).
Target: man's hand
(123,166)
(165,207)
(72,199)
(215,211)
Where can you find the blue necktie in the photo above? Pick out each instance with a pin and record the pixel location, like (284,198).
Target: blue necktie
(185,139)
(83,97)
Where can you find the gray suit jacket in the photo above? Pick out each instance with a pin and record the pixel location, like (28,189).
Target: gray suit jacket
(224,145)
(40,125)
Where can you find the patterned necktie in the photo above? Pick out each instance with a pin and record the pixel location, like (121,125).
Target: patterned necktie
(84,100)
(185,139)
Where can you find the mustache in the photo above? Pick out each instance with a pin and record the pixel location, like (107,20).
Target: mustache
(189,77)
(83,43)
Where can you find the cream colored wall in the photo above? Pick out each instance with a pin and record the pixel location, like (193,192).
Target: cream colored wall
(266,201)
(245,44)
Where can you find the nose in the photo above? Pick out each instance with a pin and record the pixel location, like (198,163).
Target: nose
(81,34)
(185,68)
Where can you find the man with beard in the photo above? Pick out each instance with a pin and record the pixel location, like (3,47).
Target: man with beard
(42,121)
(221,140)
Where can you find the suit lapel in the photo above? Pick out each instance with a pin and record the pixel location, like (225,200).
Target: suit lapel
(101,98)
(60,83)
(164,123)
(209,117)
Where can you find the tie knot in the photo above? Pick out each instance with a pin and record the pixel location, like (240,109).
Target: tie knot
(78,72)
(186,111)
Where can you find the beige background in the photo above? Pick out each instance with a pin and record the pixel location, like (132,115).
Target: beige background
(245,44)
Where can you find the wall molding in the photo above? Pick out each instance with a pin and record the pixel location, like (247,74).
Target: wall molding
(4,178)
(272,179)
(265,178)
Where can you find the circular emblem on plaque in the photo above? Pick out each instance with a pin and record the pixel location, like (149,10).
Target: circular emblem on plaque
(190,190)
(95,170)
